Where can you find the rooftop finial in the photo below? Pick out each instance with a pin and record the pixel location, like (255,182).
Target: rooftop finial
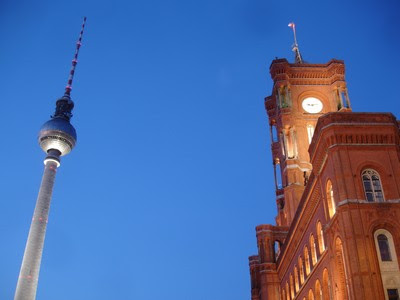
(68,88)
(295,48)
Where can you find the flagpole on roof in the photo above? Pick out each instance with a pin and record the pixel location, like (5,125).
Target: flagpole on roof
(295,48)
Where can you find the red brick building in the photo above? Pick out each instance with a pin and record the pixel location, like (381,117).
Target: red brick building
(337,174)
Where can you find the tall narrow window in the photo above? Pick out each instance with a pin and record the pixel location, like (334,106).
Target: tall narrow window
(307,260)
(301,268)
(388,265)
(310,132)
(274,133)
(310,295)
(287,291)
(326,286)
(318,290)
(277,249)
(343,286)
(384,248)
(293,137)
(291,286)
(372,186)
(330,199)
(278,101)
(278,174)
(345,98)
(283,146)
(296,279)
(320,236)
(313,250)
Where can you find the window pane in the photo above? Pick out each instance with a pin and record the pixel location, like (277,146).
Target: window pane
(370,197)
(377,184)
(393,294)
(384,248)
(379,197)
(367,186)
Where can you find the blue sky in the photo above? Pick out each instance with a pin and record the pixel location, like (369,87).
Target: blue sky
(172,170)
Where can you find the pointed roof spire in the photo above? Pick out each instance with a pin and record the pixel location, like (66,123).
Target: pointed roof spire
(295,48)
(68,88)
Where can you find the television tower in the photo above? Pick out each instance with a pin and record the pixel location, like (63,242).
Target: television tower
(57,137)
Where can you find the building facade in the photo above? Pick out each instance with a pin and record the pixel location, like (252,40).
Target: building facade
(337,179)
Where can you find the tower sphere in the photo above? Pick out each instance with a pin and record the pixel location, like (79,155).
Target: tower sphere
(57,134)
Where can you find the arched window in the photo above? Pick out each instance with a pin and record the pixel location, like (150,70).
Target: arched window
(307,260)
(318,291)
(313,250)
(388,264)
(330,199)
(296,279)
(310,295)
(310,132)
(320,236)
(301,267)
(384,248)
(372,186)
(342,282)
(291,286)
(326,286)
(287,291)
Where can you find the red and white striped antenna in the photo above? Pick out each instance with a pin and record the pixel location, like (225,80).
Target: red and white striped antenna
(68,88)
(295,48)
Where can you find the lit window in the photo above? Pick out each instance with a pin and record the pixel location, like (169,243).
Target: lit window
(307,260)
(384,248)
(310,295)
(372,186)
(310,132)
(326,285)
(320,236)
(301,267)
(313,250)
(296,279)
(287,291)
(330,199)
(291,286)
(318,290)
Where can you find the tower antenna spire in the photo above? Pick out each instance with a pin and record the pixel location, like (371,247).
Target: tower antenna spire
(295,48)
(68,88)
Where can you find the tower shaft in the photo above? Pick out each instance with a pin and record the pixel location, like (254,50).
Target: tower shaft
(29,273)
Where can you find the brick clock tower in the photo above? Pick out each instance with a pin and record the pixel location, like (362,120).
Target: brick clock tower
(337,180)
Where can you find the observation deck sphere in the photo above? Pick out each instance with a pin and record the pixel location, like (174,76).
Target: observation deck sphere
(58,134)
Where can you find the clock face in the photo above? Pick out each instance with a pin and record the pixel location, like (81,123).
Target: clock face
(312,105)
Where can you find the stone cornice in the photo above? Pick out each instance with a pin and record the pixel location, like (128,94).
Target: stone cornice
(351,129)
(307,74)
